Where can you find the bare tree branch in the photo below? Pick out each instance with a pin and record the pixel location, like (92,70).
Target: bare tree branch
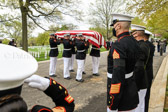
(34,20)
(9,19)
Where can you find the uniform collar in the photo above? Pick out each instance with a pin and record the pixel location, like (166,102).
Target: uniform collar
(141,40)
(16,90)
(123,34)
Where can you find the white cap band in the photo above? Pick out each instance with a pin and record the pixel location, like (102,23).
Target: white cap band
(137,28)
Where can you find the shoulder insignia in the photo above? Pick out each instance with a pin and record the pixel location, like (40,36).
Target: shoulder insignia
(59,109)
(116,55)
(69,99)
(115,88)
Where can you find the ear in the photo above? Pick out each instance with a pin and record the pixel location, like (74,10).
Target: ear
(118,26)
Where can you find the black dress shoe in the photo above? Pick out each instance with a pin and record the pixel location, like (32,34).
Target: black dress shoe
(96,74)
(53,75)
(68,78)
(80,80)
(71,70)
(83,72)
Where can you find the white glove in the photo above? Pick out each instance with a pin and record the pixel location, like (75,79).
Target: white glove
(38,82)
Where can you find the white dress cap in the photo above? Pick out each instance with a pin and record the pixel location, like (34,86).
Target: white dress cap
(15,66)
(122,17)
(137,27)
(148,32)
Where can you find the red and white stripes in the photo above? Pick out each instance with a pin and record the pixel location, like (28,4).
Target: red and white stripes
(93,37)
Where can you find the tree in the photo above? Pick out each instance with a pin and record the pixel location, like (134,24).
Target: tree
(36,10)
(55,28)
(43,39)
(12,29)
(102,31)
(158,21)
(5,41)
(147,7)
(101,12)
(138,21)
(154,12)
(32,41)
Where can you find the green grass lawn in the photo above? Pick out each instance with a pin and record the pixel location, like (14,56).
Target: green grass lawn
(45,49)
(103,49)
(42,57)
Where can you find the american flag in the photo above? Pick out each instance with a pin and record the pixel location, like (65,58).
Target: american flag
(93,37)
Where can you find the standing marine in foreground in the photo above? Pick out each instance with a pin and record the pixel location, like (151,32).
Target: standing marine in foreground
(149,68)
(123,94)
(140,75)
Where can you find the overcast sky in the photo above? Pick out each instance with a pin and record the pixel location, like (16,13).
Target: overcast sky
(83,25)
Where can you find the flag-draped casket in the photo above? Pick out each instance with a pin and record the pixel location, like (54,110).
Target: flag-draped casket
(93,37)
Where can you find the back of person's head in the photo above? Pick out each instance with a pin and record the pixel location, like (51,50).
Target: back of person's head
(141,33)
(125,25)
(12,103)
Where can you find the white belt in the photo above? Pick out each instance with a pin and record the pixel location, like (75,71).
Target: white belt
(128,75)
(80,50)
(67,49)
(96,48)
(54,47)
(109,75)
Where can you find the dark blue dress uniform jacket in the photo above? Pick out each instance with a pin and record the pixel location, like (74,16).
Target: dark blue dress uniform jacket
(95,51)
(53,52)
(81,49)
(123,93)
(149,66)
(60,96)
(73,47)
(67,45)
(140,67)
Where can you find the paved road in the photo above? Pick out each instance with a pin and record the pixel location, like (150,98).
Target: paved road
(89,96)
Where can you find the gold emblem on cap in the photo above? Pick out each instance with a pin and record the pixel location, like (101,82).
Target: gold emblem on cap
(54,82)
(60,87)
